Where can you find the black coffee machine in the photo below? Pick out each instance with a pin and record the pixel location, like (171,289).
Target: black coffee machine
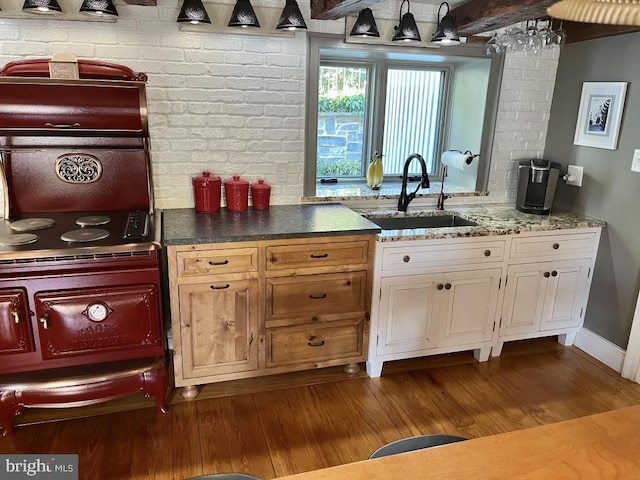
(537,181)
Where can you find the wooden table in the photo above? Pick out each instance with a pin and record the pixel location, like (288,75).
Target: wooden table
(601,446)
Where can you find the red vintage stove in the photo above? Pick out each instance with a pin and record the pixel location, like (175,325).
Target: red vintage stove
(80,301)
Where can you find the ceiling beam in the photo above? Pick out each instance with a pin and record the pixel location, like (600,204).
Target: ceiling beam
(479,16)
(336,9)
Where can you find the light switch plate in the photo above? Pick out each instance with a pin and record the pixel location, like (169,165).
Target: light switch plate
(635,164)
(574,175)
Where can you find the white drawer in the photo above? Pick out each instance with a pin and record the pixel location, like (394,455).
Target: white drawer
(425,256)
(553,245)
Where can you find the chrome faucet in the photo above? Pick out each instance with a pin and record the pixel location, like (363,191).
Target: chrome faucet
(405,199)
(442,197)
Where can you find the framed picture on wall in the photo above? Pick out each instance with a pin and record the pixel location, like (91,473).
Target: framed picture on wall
(600,114)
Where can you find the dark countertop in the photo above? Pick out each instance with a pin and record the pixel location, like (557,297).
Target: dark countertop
(183,226)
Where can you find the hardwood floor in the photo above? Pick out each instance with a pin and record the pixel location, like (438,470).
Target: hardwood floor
(319,419)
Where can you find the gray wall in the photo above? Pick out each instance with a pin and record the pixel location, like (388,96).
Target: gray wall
(610,191)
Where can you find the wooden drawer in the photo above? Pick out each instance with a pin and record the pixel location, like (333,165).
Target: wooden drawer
(215,262)
(536,247)
(316,343)
(450,253)
(317,297)
(317,255)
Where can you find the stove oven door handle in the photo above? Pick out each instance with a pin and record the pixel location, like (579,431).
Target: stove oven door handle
(61,125)
(45,321)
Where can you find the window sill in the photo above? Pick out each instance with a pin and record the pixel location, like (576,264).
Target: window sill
(359,191)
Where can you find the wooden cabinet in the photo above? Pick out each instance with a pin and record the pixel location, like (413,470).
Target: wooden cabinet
(249,309)
(547,285)
(435,296)
(15,320)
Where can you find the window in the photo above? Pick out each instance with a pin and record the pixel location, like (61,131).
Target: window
(397,101)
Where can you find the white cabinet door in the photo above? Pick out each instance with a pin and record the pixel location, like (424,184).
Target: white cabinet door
(524,296)
(468,307)
(566,294)
(407,309)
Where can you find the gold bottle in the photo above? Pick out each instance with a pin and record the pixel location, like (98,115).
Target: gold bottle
(375,172)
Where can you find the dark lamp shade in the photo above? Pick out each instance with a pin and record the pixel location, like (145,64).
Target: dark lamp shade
(43,7)
(447,31)
(193,11)
(243,15)
(407,30)
(99,7)
(365,26)
(291,18)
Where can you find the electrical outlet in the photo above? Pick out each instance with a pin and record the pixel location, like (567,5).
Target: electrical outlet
(635,164)
(574,175)
(282,172)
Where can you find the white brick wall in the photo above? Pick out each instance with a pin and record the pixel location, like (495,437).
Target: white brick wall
(234,104)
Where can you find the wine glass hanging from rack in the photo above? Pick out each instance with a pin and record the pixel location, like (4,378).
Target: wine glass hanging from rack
(530,37)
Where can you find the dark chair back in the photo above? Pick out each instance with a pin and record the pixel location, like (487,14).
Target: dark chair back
(415,443)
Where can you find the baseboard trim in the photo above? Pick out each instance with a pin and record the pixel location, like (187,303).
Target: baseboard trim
(601,349)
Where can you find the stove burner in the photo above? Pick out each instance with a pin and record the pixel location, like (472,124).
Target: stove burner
(93,220)
(18,239)
(27,224)
(84,235)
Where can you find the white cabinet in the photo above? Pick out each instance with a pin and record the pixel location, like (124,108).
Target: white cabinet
(547,285)
(434,297)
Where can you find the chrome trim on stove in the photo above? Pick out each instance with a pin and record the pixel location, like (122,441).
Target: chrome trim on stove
(148,252)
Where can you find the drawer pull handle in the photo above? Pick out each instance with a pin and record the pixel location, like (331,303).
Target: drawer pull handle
(45,321)
(16,315)
(439,286)
(487,253)
(554,273)
(313,343)
(406,259)
(556,246)
(546,274)
(213,287)
(324,255)
(61,125)
(318,297)
(448,286)
(218,263)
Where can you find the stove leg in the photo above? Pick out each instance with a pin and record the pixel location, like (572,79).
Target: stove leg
(155,384)
(190,392)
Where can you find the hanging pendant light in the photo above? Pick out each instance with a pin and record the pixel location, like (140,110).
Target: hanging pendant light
(193,11)
(407,30)
(42,7)
(447,31)
(291,18)
(609,12)
(99,8)
(243,15)
(365,26)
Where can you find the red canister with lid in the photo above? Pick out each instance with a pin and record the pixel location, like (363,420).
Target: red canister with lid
(207,193)
(260,194)
(236,192)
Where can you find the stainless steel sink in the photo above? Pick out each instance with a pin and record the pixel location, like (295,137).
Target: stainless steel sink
(434,221)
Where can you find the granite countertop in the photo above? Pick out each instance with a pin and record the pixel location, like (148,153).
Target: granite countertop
(184,226)
(491,220)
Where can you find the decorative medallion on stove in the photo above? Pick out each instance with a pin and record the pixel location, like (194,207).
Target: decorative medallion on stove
(27,224)
(84,235)
(18,239)
(78,168)
(93,220)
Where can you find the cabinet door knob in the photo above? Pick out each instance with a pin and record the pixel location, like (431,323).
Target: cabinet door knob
(554,273)
(487,253)
(16,315)
(440,286)
(315,318)
(406,259)
(546,274)
(556,246)
(273,259)
(447,286)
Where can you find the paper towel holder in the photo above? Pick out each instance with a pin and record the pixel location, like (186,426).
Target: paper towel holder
(467,153)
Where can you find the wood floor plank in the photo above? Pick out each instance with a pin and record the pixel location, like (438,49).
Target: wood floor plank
(231,437)
(284,436)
